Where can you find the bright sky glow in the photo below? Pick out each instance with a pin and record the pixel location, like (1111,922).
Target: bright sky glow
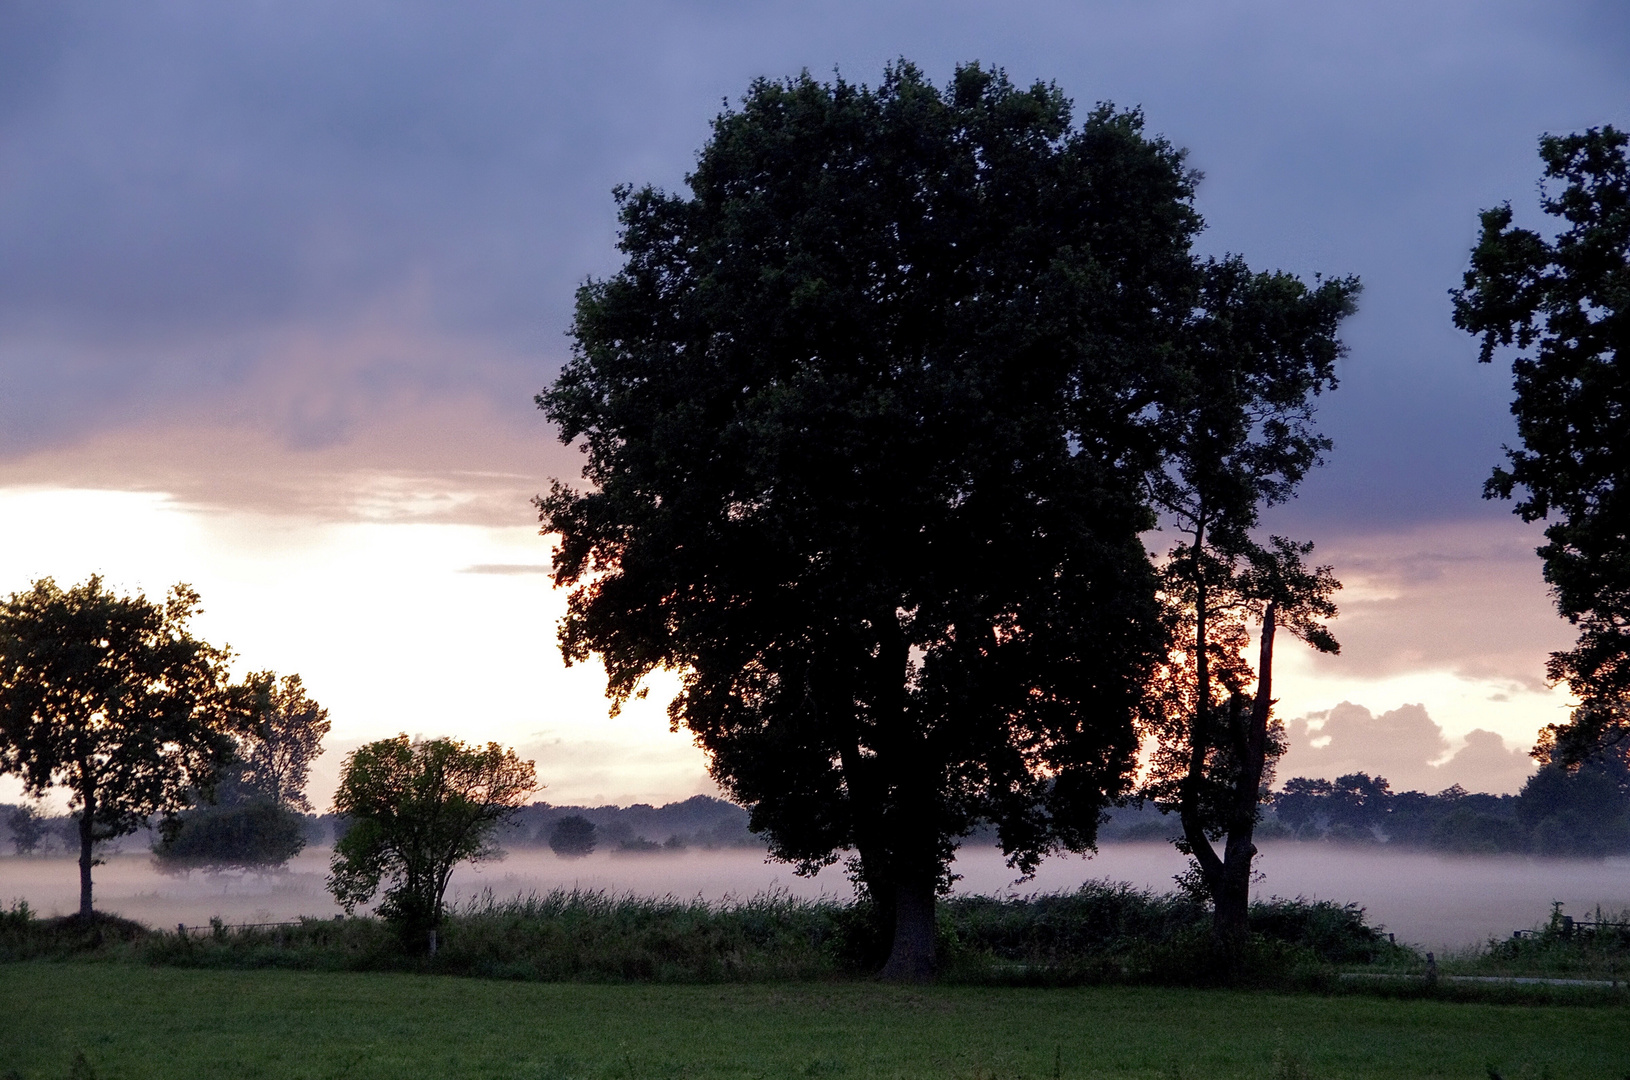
(427,628)
(438,628)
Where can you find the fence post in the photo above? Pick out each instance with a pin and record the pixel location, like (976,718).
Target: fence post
(432,943)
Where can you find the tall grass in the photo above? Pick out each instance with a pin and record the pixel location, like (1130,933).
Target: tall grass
(1597,946)
(1102,932)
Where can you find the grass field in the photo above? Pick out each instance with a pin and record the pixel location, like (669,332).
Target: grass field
(132,1021)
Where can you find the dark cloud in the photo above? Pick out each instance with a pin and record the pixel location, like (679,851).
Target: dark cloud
(188,190)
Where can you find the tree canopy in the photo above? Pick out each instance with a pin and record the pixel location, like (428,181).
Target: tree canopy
(869,419)
(112,698)
(1564,304)
(281,733)
(417,810)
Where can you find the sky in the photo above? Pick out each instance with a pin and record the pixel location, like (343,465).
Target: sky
(278,283)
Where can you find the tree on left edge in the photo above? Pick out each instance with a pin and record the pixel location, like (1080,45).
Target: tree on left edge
(111,698)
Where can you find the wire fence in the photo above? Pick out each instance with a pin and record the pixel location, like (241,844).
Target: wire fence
(216,926)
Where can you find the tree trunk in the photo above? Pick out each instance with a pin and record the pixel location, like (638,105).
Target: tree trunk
(1231,891)
(87,840)
(912,958)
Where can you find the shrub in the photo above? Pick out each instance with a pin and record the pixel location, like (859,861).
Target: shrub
(572,837)
(255,835)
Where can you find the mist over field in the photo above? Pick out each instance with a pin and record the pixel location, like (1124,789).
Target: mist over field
(1435,901)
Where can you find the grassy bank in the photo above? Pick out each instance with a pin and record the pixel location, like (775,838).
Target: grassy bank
(1097,934)
(133,1022)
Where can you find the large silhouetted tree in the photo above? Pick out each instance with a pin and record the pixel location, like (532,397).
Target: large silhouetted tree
(1564,303)
(869,418)
(112,698)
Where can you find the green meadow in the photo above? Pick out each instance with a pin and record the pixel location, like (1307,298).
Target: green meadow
(131,1021)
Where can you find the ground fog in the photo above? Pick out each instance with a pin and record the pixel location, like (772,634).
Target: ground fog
(1430,900)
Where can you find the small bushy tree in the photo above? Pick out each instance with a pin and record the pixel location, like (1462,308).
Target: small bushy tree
(418,809)
(572,836)
(27,829)
(256,835)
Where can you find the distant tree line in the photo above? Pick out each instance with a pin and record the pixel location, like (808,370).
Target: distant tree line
(1560,813)
(1583,812)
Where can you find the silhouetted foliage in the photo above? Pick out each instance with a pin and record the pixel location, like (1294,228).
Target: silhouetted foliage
(1240,438)
(254,819)
(27,827)
(1584,811)
(1566,304)
(572,836)
(869,419)
(112,698)
(281,734)
(254,835)
(417,810)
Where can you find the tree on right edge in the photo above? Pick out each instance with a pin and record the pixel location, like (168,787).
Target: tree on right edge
(1565,305)
(1241,437)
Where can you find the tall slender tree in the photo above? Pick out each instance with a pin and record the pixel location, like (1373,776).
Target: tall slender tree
(1241,436)
(868,419)
(112,698)
(1564,304)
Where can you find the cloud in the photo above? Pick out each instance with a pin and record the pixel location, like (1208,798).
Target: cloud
(1464,597)
(1405,746)
(188,190)
(508,568)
